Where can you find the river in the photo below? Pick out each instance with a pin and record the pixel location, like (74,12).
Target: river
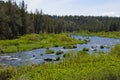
(35,57)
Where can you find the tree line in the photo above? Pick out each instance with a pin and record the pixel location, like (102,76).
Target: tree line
(15,21)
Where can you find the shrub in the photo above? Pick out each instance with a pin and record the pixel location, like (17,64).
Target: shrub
(59,52)
(101,46)
(48,51)
(85,49)
(116,50)
(41,54)
(7,73)
(58,58)
(70,46)
(66,55)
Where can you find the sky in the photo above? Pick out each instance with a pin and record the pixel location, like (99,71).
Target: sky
(75,7)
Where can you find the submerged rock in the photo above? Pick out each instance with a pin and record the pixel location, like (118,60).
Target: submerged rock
(49,59)
(93,47)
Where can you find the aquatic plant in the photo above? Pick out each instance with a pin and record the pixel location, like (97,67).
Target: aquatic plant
(59,52)
(102,46)
(85,49)
(58,58)
(69,46)
(49,51)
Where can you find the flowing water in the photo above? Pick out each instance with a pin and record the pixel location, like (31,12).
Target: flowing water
(37,56)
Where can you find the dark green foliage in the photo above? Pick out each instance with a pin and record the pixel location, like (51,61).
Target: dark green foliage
(23,15)
(59,52)
(15,21)
(41,54)
(86,40)
(58,58)
(55,45)
(49,51)
(7,73)
(74,46)
(85,49)
(101,46)
(70,46)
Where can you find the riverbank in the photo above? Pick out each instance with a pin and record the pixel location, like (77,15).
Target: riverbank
(100,34)
(36,41)
(81,66)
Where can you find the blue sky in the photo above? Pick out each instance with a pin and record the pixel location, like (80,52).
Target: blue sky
(75,7)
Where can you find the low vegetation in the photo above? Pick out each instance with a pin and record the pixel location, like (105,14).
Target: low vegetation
(102,46)
(80,66)
(101,34)
(35,41)
(77,66)
(49,51)
(85,49)
(70,46)
(59,52)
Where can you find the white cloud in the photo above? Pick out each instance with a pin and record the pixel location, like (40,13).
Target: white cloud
(112,13)
(32,4)
(75,7)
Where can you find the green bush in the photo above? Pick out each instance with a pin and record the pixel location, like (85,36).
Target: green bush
(7,73)
(85,49)
(59,52)
(58,58)
(101,46)
(70,46)
(48,51)
(116,50)
(67,55)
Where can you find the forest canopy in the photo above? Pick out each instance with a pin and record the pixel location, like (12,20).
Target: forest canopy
(15,21)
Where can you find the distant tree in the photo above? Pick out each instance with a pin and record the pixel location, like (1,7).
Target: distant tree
(24,25)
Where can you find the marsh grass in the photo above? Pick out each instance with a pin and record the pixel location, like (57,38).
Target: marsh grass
(35,41)
(74,66)
(81,66)
(101,34)
(49,51)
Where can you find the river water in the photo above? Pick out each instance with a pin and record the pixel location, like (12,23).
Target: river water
(35,57)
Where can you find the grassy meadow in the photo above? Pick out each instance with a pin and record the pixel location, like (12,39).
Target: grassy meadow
(100,34)
(35,41)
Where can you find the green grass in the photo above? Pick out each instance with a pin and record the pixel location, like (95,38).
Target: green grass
(59,52)
(101,34)
(85,49)
(116,50)
(80,67)
(48,51)
(35,41)
(75,66)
